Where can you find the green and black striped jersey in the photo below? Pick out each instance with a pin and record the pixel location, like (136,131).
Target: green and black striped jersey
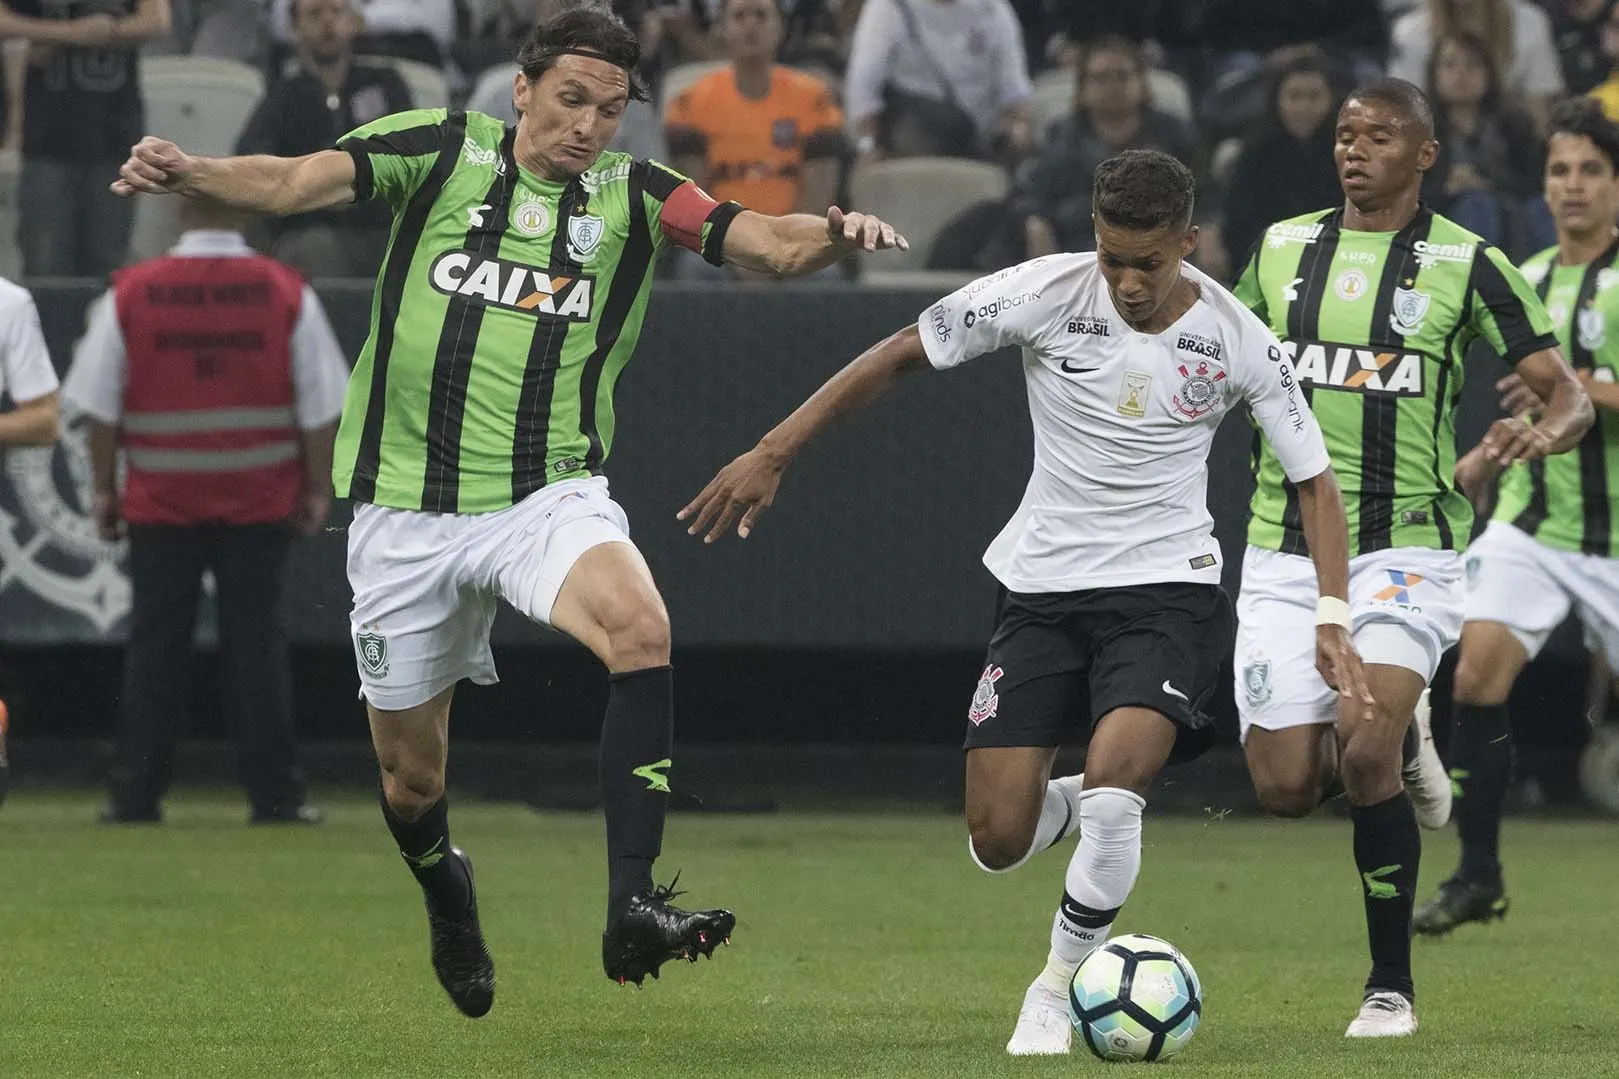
(1377,325)
(1571,500)
(504,313)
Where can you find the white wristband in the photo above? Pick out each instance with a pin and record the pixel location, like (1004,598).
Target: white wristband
(1332,611)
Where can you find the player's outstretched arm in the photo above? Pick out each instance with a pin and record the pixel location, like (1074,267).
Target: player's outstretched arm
(747,485)
(803,243)
(1326,531)
(259,183)
(1564,418)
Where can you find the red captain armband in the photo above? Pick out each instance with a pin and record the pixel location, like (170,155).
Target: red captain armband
(687,209)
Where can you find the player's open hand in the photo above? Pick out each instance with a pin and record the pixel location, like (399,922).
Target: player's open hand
(863,232)
(1514,440)
(1340,666)
(1517,398)
(155,166)
(746,486)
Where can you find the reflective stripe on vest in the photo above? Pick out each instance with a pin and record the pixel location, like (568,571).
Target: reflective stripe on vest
(205,421)
(151,460)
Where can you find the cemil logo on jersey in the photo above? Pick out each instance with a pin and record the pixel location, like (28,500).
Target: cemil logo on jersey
(1200,390)
(512,285)
(1432,254)
(1282,235)
(478,155)
(1358,370)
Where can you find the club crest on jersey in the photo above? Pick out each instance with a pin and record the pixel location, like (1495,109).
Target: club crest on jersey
(372,649)
(584,235)
(985,699)
(1358,370)
(513,286)
(1199,392)
(1591,327)
(531,217)
(1410,308)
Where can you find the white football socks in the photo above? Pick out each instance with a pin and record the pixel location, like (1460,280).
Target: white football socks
(1100,876)
(1059,819)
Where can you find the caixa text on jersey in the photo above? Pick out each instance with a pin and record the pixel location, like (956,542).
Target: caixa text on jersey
(1357,369)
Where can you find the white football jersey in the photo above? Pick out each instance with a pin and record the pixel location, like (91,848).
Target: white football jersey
(25,365)
(1122,421)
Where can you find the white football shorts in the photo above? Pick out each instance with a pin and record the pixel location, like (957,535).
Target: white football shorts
(426,585)
(1405,603)
(1530,588)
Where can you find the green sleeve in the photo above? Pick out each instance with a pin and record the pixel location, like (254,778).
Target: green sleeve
(1503,308)
(393,154)
(1247,290)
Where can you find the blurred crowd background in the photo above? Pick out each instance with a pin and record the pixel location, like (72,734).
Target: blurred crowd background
(785,104)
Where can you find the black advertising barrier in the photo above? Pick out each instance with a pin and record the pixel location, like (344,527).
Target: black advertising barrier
(874,542)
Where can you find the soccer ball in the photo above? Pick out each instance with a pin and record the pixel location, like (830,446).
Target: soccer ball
(1135,997)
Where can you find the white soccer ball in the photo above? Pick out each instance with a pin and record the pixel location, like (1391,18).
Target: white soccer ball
(1135,997)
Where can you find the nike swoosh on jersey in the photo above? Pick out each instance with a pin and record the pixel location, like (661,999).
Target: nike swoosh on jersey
(1077,370)
(1173,692)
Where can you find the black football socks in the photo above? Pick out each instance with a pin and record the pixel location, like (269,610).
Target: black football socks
(636,747)
(1388,847)
(1480,767)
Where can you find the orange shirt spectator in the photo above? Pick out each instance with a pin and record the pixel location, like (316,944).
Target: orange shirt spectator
(767,136)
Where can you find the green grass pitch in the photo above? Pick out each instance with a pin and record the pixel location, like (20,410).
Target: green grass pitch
(868,945)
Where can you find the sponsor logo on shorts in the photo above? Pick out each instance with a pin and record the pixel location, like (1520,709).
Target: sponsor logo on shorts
(372,649)
(1398,590)
(985,699)
(1256,682)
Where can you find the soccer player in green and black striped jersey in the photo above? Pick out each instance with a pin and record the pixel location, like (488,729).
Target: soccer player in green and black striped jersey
(1551,544)
(476,426)
(1376,303)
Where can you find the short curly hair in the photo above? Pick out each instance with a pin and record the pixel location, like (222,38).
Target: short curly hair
(1143,190)
(1584,116)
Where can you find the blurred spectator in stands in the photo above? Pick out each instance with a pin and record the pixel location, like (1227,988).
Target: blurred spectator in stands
(215,373)
(1296,143)
(640,131)
(1607,91)
(767,136)
(1489,165)
(327,94)
(1054,30)
(1577,33)
(81,111)
(938,77)
(1112,112)
(420,30)
(1516,34)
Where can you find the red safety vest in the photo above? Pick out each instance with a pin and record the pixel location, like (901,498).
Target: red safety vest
(208,428)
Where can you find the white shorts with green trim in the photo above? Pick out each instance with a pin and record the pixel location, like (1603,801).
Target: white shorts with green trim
(1405,604)
(426,585)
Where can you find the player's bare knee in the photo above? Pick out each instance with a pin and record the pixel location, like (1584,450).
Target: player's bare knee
(1482,681)
(411,789)
(997,844)
(1370,767)
(1291,798)
(638,639)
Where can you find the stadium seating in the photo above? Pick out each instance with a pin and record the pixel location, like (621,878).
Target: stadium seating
(1169,93)
(429,89)
(1053,97)
(919,196)
(200,102)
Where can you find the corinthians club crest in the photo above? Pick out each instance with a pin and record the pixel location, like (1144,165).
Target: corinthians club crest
(48,541)
(1199,392)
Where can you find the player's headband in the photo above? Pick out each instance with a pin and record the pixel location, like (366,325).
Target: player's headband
(552,52)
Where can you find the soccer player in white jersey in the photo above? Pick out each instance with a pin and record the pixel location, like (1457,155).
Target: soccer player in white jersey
(29,379)
(1111,610)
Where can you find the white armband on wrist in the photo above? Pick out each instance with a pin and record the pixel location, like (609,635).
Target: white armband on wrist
(1332,611)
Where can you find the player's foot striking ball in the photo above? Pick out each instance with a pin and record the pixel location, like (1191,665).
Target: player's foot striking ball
(1460,901)
(460,957)
(650,932)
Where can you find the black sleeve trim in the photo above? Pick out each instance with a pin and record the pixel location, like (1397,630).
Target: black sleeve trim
(365,187)
(719,223)
(406,142)
(686,141)
(828,143)
(1518,336)
(658,181)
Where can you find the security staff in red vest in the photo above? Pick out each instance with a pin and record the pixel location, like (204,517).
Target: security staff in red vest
(215,372)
